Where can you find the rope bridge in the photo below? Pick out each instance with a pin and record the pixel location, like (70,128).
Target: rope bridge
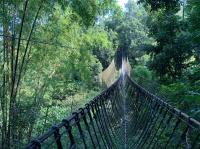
(124,116)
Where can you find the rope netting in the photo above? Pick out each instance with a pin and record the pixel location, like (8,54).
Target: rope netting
(110,74)
(124,116)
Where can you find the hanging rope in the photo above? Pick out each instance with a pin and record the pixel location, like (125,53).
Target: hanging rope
(124,116)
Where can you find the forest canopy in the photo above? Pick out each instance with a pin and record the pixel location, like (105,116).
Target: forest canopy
(52,52)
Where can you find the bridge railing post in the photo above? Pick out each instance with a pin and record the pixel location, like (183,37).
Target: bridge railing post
(57,137)
(69,132)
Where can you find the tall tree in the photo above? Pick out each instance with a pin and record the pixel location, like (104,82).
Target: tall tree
(131,30)
(172,51)
(20,25)
(160,4)
(193,11)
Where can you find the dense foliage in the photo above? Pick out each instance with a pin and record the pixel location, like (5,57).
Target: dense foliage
(174,56)
(50,61)
(51,54)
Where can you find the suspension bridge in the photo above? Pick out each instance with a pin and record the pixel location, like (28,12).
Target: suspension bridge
(124,116)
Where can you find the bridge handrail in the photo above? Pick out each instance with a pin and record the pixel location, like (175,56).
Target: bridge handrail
(178,113)
(71,119)
(80,113)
